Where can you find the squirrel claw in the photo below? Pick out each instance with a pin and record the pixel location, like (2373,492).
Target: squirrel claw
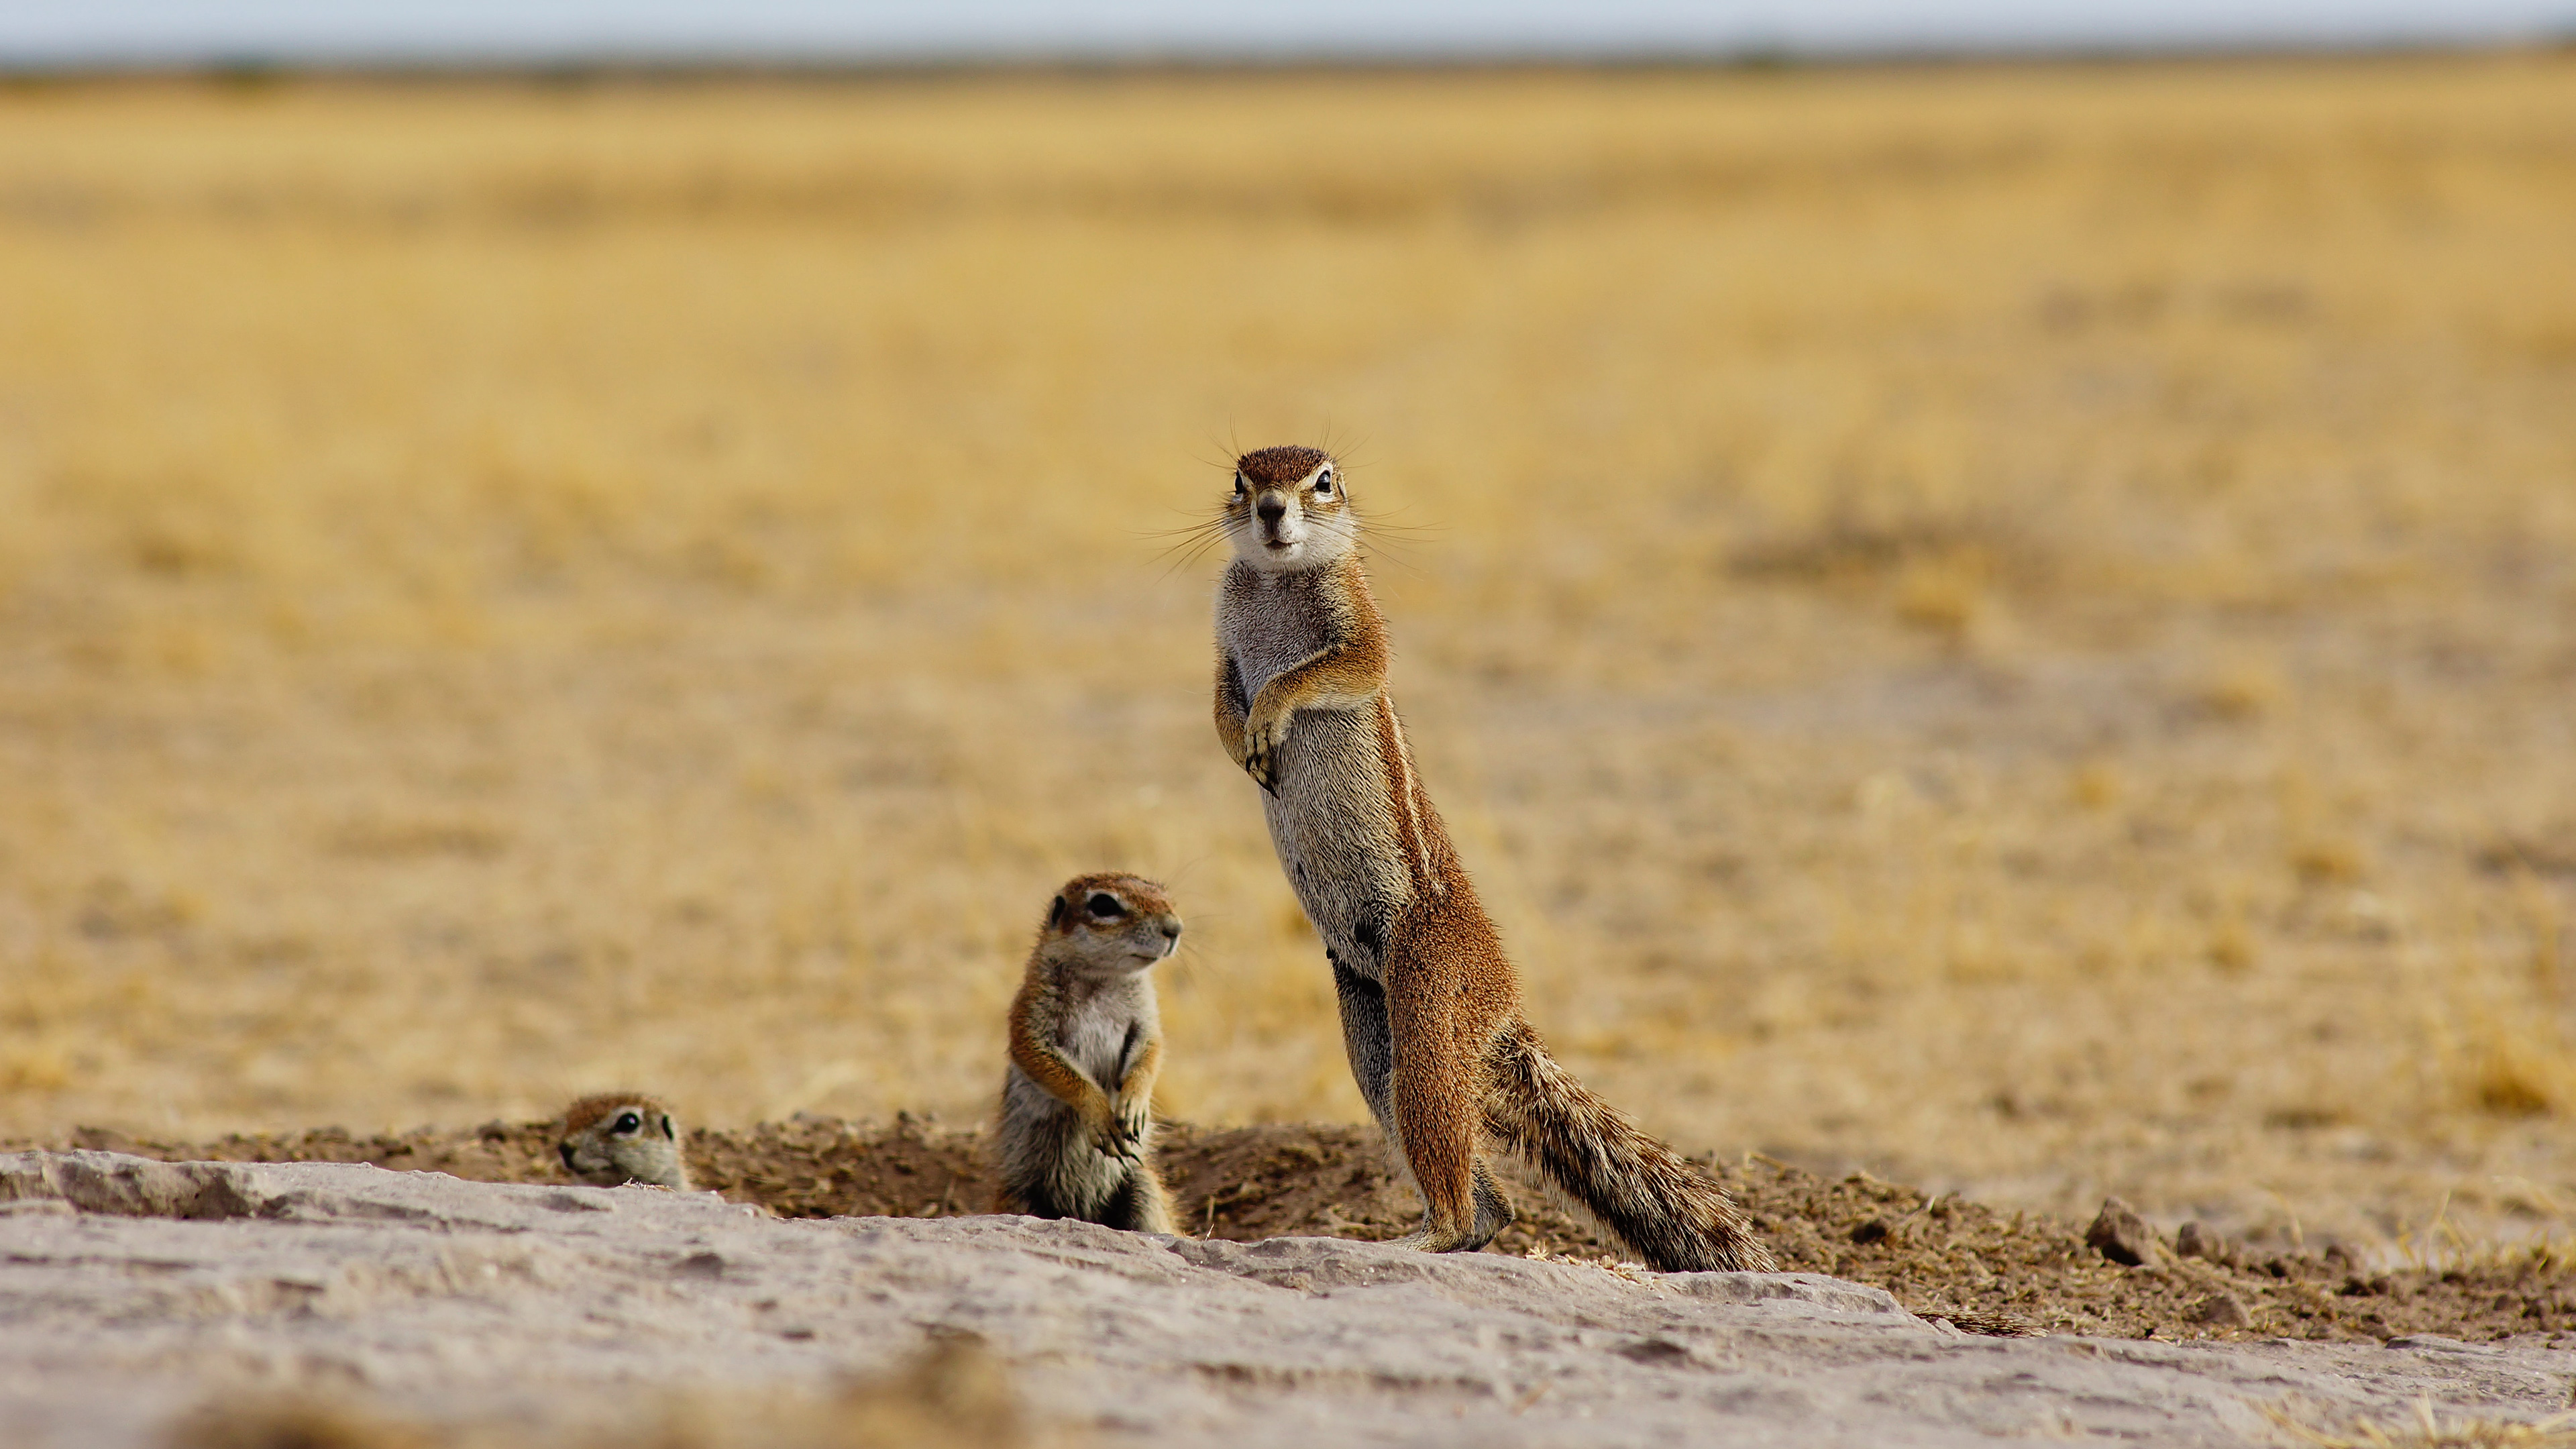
(1123,1138)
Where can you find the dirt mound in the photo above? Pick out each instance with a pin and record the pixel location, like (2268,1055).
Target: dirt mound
(1985,1271)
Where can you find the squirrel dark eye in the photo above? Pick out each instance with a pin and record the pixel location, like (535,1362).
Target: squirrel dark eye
(1324,482)
(626,1122)
(1238,485)
(1105,905)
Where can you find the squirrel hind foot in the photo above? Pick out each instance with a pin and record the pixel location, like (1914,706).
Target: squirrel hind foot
(1433,1239)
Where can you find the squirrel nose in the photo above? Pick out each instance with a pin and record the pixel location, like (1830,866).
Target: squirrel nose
(1171,926)
(1271,509)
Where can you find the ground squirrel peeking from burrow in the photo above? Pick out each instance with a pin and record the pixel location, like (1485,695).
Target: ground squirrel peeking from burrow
(620,1137)
(1431,1014)
(1075,1138)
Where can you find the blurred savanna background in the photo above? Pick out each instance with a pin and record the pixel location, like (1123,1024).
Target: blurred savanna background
(2011,625)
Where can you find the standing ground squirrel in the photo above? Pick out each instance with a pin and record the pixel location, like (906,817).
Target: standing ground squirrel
(1076,1134)
(621,1137)
(1431,1011)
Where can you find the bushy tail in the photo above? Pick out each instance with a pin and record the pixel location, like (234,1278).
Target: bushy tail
(1673,1216)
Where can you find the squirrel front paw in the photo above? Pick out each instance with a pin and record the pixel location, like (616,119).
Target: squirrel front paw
(1261,742)
(1120,1134)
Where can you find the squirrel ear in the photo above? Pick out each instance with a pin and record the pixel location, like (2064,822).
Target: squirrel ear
(1055,912)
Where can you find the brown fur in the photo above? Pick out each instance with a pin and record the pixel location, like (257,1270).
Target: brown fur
(590,1109)
(1430,1002)
(1280,465)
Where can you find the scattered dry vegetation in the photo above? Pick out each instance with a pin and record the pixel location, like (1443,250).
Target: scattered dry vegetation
(2007,626)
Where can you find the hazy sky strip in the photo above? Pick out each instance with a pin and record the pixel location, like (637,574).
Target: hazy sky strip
(181,30)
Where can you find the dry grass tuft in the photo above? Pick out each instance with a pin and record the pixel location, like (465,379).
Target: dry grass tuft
(2514,1078)
(2427,1429)
(1605,1262)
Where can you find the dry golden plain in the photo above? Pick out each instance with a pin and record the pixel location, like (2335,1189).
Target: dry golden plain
(2012,626)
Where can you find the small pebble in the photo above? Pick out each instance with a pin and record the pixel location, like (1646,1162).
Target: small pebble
(2220,1310)
(2119,1234)
(2192,1240)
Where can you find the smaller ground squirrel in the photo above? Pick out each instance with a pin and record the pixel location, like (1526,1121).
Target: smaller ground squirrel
(621,1137)
(1076,1133)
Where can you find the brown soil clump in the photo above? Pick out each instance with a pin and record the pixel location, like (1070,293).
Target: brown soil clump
(1983,1270)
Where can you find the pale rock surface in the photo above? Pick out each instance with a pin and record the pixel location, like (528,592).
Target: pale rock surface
(131,1290)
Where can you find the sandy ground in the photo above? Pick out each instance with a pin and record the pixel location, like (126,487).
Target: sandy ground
(1987,1271)
(346,1306)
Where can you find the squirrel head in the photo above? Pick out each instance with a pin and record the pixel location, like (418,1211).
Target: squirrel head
(1288,510)
(1109,925)
(622,1137)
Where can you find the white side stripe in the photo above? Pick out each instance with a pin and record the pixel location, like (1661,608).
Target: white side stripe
(1404,801)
